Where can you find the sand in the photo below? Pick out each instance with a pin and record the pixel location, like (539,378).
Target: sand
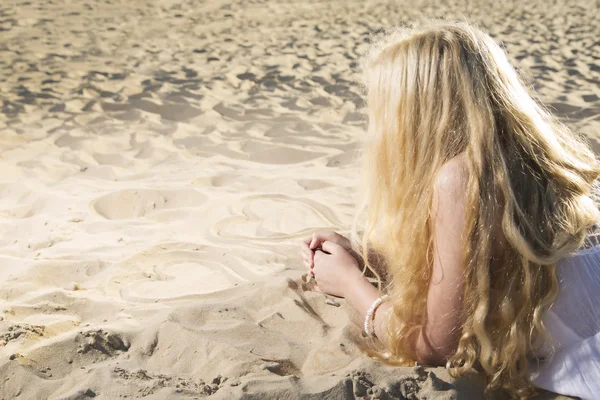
(159,162)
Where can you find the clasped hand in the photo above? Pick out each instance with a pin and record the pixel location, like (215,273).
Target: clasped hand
(327,257)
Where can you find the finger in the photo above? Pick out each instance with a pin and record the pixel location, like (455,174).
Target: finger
(314,241)
(304,257)
(305,244)
(307,261)
(309,265)
(306,253)
(320,237)
(307,249)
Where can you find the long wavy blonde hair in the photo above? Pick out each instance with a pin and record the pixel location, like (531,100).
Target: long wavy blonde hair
(446,89)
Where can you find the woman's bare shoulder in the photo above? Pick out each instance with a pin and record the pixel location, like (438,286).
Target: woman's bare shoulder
(453,176)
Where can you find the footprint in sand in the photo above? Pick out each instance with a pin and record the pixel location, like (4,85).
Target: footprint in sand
(17,201)
(275,217)
(131,203)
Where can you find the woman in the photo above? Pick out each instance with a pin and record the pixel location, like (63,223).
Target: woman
(479,202)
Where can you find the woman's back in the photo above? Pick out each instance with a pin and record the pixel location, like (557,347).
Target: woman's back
(574,324)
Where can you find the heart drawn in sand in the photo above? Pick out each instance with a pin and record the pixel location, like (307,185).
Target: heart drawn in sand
(274,217)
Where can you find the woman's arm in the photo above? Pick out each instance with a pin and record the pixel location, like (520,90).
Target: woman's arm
(439,337)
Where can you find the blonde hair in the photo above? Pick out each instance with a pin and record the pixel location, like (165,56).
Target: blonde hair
(435,92)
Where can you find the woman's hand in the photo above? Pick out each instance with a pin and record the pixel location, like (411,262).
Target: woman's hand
(318,238)
(308,246)
(335,269)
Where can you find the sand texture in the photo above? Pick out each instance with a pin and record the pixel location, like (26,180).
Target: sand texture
(159,161)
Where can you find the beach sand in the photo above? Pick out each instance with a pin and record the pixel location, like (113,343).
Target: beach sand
(160,160)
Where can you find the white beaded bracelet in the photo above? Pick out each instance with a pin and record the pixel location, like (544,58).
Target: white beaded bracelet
(370,313)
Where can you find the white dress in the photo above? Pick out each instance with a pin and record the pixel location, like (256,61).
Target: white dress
(574,323)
